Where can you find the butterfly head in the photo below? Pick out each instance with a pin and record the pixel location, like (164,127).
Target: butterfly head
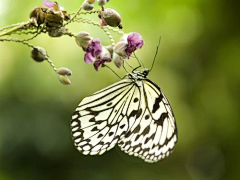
(137,75)
(145,72)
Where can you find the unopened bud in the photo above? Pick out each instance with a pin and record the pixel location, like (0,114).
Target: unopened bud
(120,48)
(87,6)
(64,80)
(91,1)
(103,23)
(109,48)
(111,17)
(83,39)
(39,54)
(105,54)
(64,71)
(102,2)
(118,60)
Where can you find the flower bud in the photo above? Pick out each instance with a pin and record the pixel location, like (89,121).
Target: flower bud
(102,2)
(109,48)
(87,6)
(120,48)
(118,60)
(103,23)
(91,1)
(105,54)
(111,17)
(39,54)
(64,71)
(64,80)
(57,32)
(83,39)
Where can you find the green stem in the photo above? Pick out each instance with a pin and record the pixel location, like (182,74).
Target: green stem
(77,13)
(14,29)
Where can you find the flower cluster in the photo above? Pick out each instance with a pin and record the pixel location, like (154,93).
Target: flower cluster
(99,55)
(52,19)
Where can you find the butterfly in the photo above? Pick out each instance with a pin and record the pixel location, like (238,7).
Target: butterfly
(133,113)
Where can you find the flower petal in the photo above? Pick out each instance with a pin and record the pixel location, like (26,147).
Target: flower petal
(88,58)
(135,39)
(134,42)
(118,60)
(48,4)
(94,47)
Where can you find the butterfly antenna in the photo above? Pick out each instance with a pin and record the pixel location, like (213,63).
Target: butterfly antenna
(156,53)
(113,71)
(125,68)
(128,64)
(139,61)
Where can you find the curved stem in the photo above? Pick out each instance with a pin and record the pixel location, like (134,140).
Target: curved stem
(76,14)
(14,29)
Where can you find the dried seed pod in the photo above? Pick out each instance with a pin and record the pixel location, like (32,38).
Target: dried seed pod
(57,32)
(39,54)
(38,14)
(86,6)
(64,80)
(64,71)
(111,17)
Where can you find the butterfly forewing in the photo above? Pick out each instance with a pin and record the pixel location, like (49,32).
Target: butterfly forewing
(133,113)
(101,119)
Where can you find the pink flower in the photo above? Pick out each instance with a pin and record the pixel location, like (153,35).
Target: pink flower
(134,42)
(125,47)
(48,4)
(92,51)
(105,56)
(96,54)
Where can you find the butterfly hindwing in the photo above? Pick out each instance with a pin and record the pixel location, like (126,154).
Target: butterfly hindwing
(154,134)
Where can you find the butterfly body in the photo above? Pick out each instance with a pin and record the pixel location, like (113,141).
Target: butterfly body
(133,113)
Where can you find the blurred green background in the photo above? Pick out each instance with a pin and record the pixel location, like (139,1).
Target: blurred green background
(197,67)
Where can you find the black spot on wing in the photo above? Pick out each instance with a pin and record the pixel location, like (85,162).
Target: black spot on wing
(156,103)
(136,100)
(122,126)
(111,133)
(139,113)
(136,130)
(147,117)
(161,119)
(136,113)
(92,120)
(146,130)
(95,129)
(100,135)
(109,104)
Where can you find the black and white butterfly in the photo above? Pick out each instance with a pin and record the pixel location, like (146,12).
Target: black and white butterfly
(133,113)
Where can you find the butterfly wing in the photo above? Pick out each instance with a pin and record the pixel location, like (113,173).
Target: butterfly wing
(102,119)
(154,133)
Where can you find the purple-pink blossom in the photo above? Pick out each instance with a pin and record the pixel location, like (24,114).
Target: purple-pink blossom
(100,62)
(134,42)
(48,4)
(92,51)
(96,54)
